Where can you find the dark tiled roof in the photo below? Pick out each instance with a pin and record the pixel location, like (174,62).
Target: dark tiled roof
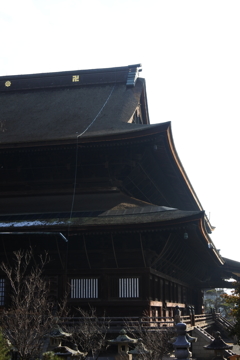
(63,110)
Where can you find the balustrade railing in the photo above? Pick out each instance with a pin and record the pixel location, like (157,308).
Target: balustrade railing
(146,322)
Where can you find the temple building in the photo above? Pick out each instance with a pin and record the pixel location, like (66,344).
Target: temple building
(84,176)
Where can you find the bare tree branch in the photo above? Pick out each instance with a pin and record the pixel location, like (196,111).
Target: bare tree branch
(30,317)
(154,339)
(89,333)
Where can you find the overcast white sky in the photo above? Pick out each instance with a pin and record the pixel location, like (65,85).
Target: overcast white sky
(190,53)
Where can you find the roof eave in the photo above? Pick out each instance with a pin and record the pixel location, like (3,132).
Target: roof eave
(209,243)
(128,134)
(73,225)
(185,177)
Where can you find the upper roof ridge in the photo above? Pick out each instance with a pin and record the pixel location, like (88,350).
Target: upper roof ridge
(124,74)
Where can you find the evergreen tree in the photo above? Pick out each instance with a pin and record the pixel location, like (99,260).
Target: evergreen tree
(4,348)
(214,299)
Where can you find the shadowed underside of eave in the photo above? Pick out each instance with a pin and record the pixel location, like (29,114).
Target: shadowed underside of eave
(123,241)
(142,166)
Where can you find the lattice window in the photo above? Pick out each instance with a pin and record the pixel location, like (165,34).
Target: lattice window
(84,288)
(129,287)
(2,291)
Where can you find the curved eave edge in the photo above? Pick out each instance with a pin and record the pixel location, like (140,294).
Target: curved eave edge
(127,134)
(233,267)
(231,262)
(209,243)
(96,139)
(184,175)
(145,102)
(151,226)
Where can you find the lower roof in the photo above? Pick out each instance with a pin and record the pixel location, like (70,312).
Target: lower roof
(102,209)
(116,213)
(233,267)
(153,214)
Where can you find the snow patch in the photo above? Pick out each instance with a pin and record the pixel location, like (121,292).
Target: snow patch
(30,223)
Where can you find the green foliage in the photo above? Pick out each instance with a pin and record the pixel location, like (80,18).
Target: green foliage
(233,300)
(4,348)
(215,299)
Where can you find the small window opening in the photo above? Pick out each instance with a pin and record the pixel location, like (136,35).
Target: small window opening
(129,287)
(84,288)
